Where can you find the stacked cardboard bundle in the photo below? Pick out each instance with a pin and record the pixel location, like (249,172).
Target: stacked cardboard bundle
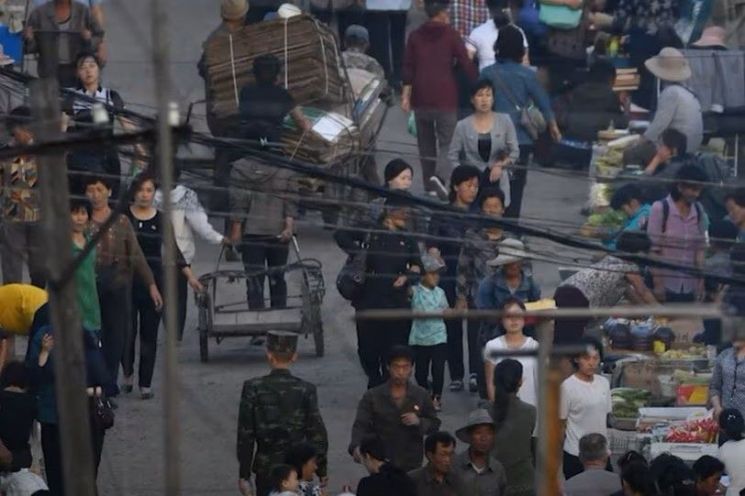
(332,138)
(307,49)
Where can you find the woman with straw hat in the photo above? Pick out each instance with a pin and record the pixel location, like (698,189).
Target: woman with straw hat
(677,107)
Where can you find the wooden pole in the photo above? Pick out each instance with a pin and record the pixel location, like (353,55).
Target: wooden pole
(172,426)
(69,360)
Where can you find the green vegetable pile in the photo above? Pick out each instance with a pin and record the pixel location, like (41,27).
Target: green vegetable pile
(627,401)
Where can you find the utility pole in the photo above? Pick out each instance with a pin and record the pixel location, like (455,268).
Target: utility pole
(161,70)
(69,361)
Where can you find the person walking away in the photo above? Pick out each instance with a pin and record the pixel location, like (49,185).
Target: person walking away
(515,88)
(386,22)
(584,405)
(447,229)
(515,422)
(385,478)
(149,226)
(57,32)
(677,108)
(487,140)
(513,340)
(481,245)
(708,472)
(594,454)
(437,477)
(23,310)
(400,412)
(480,473)
(603,285)
(188,217)
(428,338)
(677,227)
(22,238)
(356,45)
(637,480)
(431,91)
(480,42)
(233,15)
(732,451)
(304,459)
(277,411)
(567,46)
(392,264)
(118,258)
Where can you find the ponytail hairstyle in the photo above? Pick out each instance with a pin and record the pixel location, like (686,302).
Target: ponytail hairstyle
(732,423)
(508,375)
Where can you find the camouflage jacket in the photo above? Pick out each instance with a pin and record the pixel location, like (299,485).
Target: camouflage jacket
(354,59)
(278,411)
(19,180)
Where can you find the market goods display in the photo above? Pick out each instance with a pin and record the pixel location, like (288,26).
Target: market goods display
(312,66)
(702,430)
(627,401)
(692,353)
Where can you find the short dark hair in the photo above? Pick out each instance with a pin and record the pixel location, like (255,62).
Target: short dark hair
(675,140)
(593,447)
(461,174)
(374,446)
(481,84)
(638,477)
(140,181)
(15,374)
(513,300)
(510,45)
(279,474)
(624,195)
(78,204)
(89,180)
(737,195)
(732,423)
(706,466)
(87,54)
(673,476)
(587,343)
(633,242)
(601,71)
(300,454)
(434,7)
(400,351)
(691,173)
(490,192)
(18,117)
(266,68)
(630,457)
(442,438)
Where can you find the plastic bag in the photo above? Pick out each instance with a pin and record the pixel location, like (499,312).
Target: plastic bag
(411,124)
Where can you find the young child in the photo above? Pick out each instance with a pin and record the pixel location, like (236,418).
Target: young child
(284,481)
(428,337)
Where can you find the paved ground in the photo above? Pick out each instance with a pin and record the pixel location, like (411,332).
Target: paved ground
(133,455)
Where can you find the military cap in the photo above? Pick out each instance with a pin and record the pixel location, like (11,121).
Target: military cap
(281,342)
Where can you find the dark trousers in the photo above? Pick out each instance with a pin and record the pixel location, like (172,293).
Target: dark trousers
(434,356)
(182,287)
(374,341)
(263,485)
(116,320)
(572,466)
(518,182)
(344,18)
(434,132)
(261,254)
(145,323)
(387,31)
(51,446)
(23,242)
(570,330)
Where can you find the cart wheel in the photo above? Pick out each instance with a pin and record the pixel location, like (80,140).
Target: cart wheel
(318,340)
(204,354)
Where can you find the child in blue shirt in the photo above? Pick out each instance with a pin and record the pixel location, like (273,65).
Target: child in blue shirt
(428,337)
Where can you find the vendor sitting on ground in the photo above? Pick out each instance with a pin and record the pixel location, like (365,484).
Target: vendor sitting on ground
(629,200)
(603,285)
(23,308)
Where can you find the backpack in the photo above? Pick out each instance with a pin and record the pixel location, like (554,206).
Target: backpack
(700,217)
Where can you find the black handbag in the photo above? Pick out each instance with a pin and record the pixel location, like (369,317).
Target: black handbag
(351,278)
(102,413)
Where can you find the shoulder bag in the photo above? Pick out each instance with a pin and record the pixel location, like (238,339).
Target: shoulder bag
(351,278)
(559,16)
(531,118)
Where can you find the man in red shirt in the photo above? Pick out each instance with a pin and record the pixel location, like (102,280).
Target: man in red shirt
(433,53)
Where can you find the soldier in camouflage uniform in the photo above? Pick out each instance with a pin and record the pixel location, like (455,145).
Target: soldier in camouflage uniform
(277,412)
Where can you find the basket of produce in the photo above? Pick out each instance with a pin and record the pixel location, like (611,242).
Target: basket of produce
(626,404)
(693,358)
(702,430)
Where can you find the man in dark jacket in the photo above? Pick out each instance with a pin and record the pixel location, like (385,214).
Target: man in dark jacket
(385,478)
(430,87)
(398,411)
(437,478)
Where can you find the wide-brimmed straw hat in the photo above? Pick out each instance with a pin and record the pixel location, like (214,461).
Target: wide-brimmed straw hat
(510,250)
(475,418)
(233,10)
(669,65)
(712,37)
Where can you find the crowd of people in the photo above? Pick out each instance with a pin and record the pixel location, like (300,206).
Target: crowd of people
(492,87)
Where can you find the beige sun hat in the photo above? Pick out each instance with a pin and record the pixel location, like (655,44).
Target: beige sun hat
(712,37)
(233,10)
(510,250)
(669,65)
